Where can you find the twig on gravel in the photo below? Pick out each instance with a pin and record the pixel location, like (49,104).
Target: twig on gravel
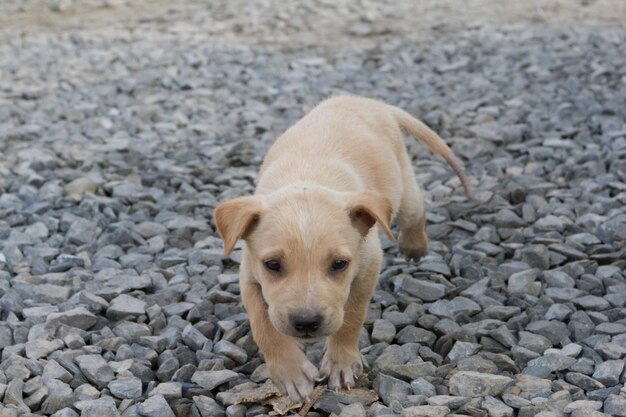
(317,392)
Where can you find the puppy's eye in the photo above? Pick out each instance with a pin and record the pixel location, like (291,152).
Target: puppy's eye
(338,265)
(273,265)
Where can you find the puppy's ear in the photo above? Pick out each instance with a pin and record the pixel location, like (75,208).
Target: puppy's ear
(367,208)
(236,218)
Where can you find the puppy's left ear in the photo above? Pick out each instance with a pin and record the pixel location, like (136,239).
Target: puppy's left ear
(368,208)
(235,219)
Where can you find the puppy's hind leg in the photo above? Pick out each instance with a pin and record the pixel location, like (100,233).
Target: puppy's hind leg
(411,219)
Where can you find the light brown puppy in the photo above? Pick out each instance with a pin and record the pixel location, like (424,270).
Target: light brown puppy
(312,254)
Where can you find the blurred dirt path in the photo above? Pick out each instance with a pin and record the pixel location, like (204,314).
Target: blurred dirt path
(296,23)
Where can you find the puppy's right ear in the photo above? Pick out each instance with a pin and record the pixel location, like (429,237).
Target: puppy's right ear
(236,218)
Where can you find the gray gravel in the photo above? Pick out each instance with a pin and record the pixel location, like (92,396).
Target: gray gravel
(118,138)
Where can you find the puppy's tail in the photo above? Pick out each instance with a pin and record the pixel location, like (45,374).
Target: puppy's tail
(424,134)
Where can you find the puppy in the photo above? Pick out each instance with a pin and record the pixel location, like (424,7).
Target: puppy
(311,254)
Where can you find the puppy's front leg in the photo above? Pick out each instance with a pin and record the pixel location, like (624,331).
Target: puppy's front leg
(342,362)
(287,364)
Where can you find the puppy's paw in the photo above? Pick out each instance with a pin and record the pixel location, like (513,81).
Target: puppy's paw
(343,370)
(413,254)
(294,374)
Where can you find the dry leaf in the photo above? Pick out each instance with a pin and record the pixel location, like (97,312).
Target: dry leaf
(268,394)
(248,393)
(281,405)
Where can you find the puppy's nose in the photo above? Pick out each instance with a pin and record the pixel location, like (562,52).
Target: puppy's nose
(306,321)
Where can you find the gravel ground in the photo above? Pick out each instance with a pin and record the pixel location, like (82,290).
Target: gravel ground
(122,125)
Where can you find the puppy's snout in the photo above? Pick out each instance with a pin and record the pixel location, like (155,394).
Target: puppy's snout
(306,321)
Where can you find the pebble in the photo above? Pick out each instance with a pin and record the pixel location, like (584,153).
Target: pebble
(383,331)
(212,379)
(476,384)
(155,406)
(124,305)
(96,369)
(391,389)
(126,387)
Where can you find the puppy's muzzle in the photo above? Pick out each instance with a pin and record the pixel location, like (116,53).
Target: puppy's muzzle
(306,323)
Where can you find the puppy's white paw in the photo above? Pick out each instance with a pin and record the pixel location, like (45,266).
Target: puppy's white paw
(342,372)
(294,375)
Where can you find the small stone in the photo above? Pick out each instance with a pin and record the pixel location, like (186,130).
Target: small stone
(124,305)
(412,334)
(126,387)
(555,331)
(549,223)
(611,350)
(582,405)
(169,390)
(178,309)
(86,392)
(501,312)
(412,370)
(155,406)
(66,262)
(78,317)
(476,384)
(424,290)
(231,350)
(615,405)
(515,401)
(167,369)
(193,338)
(353,410)
(537,256)
(592,302)
(212,379)
(583,381)
(450,401)
(208,407)
(391,389)
(608,373)
(454,307)
(82,232)
(571,349)
(80,186)
(587,413)
(503,336)
(101,407)
(496,408)
(559,279)
(95,368)
(558,312)
(507,219)
(236,410)
(65,412)
(60,395)
(383,331)
(425,411)
(52,370)
(421,386)
(532,387)
(149,230)
(554,362)
(462,350)
(524,283)
(536,343)
(14,395)
(40,348)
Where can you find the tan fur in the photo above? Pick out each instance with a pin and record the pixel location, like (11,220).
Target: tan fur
(325,187)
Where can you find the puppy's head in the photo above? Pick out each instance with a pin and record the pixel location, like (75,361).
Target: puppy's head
(304,247)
